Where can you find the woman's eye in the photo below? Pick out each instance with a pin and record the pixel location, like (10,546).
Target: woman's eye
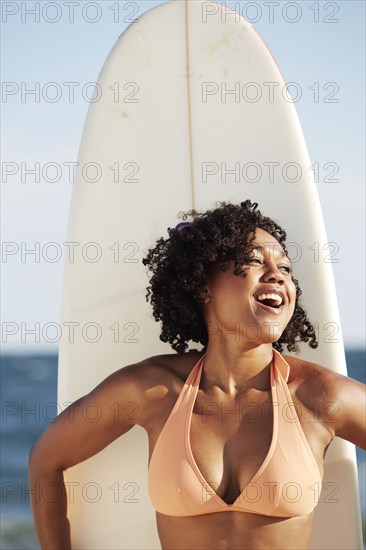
(259,261)
(254,260)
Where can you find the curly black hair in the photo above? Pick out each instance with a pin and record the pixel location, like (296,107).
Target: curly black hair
(182,262)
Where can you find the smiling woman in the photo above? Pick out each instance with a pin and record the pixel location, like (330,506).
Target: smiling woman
(225,280)
(237,439)
(235,236)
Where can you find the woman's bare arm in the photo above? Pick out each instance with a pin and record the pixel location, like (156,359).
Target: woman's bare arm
(71,439)
(351,400)
(343,411)
(337,401)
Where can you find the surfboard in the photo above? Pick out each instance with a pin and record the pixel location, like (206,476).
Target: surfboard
(192,109)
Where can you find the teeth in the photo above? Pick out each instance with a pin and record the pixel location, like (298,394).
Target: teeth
(275,297)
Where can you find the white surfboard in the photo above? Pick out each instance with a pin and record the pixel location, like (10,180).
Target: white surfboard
(193,110)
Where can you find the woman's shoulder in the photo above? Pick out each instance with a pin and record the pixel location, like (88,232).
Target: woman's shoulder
(315,384)
(158,374)
(338,401)
(302,371)
(159,379)
(176,365)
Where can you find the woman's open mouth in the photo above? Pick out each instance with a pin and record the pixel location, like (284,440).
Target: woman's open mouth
(273,303)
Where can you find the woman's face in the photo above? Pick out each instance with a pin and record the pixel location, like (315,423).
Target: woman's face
(255,308)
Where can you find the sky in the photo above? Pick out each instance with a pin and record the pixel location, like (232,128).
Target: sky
(319,46)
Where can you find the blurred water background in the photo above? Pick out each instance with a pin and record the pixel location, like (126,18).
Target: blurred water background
(28,395)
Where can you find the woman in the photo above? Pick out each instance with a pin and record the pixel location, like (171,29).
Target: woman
(237,432)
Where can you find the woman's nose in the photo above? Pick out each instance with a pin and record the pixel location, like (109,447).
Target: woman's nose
(273,273)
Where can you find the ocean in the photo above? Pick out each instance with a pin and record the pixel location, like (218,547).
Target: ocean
(28,395)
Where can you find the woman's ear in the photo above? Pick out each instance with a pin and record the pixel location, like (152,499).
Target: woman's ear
(204,296)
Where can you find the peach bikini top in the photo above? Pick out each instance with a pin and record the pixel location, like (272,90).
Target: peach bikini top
(286,484)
